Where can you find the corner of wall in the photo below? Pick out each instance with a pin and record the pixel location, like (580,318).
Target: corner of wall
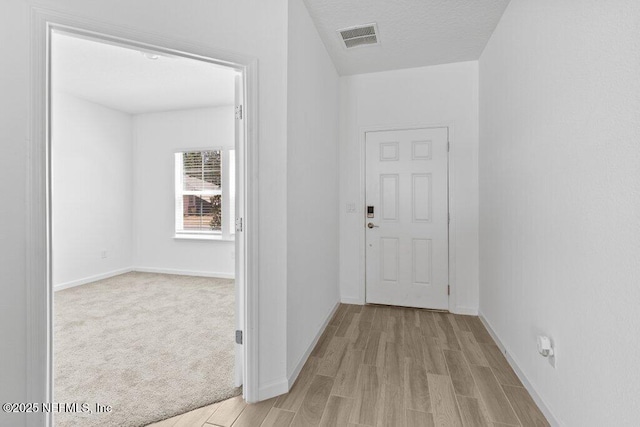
(134,189)
(312,144)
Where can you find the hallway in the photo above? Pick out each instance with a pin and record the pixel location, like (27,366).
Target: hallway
(389,366)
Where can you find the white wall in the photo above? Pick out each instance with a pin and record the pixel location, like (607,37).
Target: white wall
(312,180)
(560,201)
(252,27)
(14,60)
(108,168)
(438,95)
(91,166)
(157,137)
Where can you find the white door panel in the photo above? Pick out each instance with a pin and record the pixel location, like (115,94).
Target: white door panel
(407,246)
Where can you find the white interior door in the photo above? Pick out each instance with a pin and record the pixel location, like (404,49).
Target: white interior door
(240,195)
(407,230)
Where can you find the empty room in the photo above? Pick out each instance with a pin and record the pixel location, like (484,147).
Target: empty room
(320,213)
(142,192)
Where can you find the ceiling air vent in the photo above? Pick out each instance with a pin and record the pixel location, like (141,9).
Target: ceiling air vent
(362,35)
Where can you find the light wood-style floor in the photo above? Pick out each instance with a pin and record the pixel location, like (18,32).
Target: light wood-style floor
(390,366)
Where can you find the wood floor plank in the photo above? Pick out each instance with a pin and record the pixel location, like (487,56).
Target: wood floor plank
(360,335)
(337,412)
(346,382)
(341,311)
(500,366)
(471,349)
(393,329)
(459,322)
(413,343)
(375,350)
(427,323)
(443,400)
(433,356)
(355,307)
(391,408)
(446,334)
(416,388)
(394,364)
(197,417)
(291,401)
(368,395)
(254,414)
(526,409)
(410,318)
(367,313)
(440,316)
(379,319)
(448,317)
(472,412)
(227,412)
(278,418)
(460,373)
(333,357)
(492,395)
(397,312)
(418,419)
(321,347)
(348,325)
(478,330)
(314,402)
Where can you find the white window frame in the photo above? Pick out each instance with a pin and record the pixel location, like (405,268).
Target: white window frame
(227,171)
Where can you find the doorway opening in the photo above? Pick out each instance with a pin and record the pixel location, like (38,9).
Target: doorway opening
(147,195)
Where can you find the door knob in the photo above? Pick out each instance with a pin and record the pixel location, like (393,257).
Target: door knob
(371,225)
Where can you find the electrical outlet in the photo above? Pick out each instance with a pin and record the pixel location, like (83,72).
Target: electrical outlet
(104,254)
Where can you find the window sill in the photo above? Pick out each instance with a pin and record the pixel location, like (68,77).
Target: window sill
(204,237)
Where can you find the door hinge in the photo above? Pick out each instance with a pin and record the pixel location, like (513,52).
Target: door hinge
(448,146)
(238,224)
(239,112)
(448,290)
(448,218)
(238,337)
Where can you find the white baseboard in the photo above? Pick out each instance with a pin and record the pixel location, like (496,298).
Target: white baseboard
(291,378)
(273,389)
(90,279)
(281,386)
(184,272)
(113,273)
(469,311)
(349,300)
(523,378)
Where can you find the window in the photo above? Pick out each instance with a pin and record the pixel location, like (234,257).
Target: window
(205,194)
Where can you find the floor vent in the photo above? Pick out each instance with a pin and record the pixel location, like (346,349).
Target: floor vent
(362,35)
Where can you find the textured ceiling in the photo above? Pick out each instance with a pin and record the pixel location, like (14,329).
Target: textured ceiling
(413,33)
(125,80)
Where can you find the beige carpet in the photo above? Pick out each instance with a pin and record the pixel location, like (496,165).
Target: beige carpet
(150,345)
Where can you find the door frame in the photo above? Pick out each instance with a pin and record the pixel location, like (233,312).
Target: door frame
(38,238)
(450,205)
